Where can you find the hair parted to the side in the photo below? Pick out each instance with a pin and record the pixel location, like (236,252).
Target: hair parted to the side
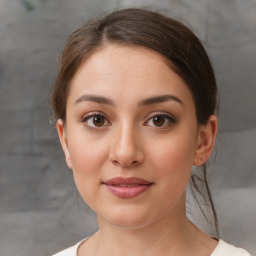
(179,46)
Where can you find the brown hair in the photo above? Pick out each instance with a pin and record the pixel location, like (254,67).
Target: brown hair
(174,41)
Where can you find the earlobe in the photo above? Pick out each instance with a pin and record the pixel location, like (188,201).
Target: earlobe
(206,139)
(64,141)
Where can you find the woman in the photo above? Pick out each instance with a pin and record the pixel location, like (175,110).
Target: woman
(135,101)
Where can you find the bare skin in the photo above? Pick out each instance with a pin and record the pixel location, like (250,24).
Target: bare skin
(129,115)
(186,240)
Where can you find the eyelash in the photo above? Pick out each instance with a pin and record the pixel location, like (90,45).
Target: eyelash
(168,120)
(85,120)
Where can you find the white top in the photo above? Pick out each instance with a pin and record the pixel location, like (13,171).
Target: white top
(222,249)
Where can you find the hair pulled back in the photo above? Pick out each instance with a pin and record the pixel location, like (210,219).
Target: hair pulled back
(174,41)
(178,45)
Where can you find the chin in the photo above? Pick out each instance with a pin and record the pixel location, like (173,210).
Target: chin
(130,223)
(128,218)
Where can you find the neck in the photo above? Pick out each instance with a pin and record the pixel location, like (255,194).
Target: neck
(173,234)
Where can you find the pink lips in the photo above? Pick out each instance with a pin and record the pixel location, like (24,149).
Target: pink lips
(127,187)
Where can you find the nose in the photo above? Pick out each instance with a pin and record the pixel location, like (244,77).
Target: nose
(126,149)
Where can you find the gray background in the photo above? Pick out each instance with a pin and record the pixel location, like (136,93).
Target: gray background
(41,211)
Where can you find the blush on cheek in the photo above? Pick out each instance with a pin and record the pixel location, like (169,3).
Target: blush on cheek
(173,166)
(85,156)
(85,184)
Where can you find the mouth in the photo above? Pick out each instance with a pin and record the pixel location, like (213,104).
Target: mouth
(127,187)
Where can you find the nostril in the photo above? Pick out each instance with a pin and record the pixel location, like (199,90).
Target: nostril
(126,155)
(115,162)
(125,163)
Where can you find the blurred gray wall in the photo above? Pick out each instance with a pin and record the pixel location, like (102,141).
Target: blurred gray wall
(41,211)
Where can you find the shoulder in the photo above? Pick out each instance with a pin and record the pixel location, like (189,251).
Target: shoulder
(225,249)
(71,251)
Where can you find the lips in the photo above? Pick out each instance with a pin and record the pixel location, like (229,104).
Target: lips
(127,187)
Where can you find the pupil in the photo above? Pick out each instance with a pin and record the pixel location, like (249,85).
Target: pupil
(158,120)
(98,121)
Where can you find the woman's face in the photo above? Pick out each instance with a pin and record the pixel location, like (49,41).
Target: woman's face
(131,135)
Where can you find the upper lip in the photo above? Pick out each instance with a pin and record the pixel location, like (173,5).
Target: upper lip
(127,181)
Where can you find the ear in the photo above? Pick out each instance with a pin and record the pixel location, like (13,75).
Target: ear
(205,143)
(64,141)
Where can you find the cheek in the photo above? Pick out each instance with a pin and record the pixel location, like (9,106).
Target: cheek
(86,152)
(175,153)
(174,160)
(87,158)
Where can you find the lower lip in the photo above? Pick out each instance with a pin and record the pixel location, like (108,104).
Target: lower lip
(128,192)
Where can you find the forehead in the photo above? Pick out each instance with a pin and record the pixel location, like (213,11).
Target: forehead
(127,71)
(114,57)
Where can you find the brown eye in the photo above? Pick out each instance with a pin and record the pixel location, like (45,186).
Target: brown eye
(158,120)
(95,121)
(161,121)
(98,121)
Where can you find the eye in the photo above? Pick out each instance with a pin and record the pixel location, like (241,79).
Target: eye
(160,120)
(95,121)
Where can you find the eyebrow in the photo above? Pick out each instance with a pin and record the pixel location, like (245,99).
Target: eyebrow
(145,102)
(95,98)
(160,99)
